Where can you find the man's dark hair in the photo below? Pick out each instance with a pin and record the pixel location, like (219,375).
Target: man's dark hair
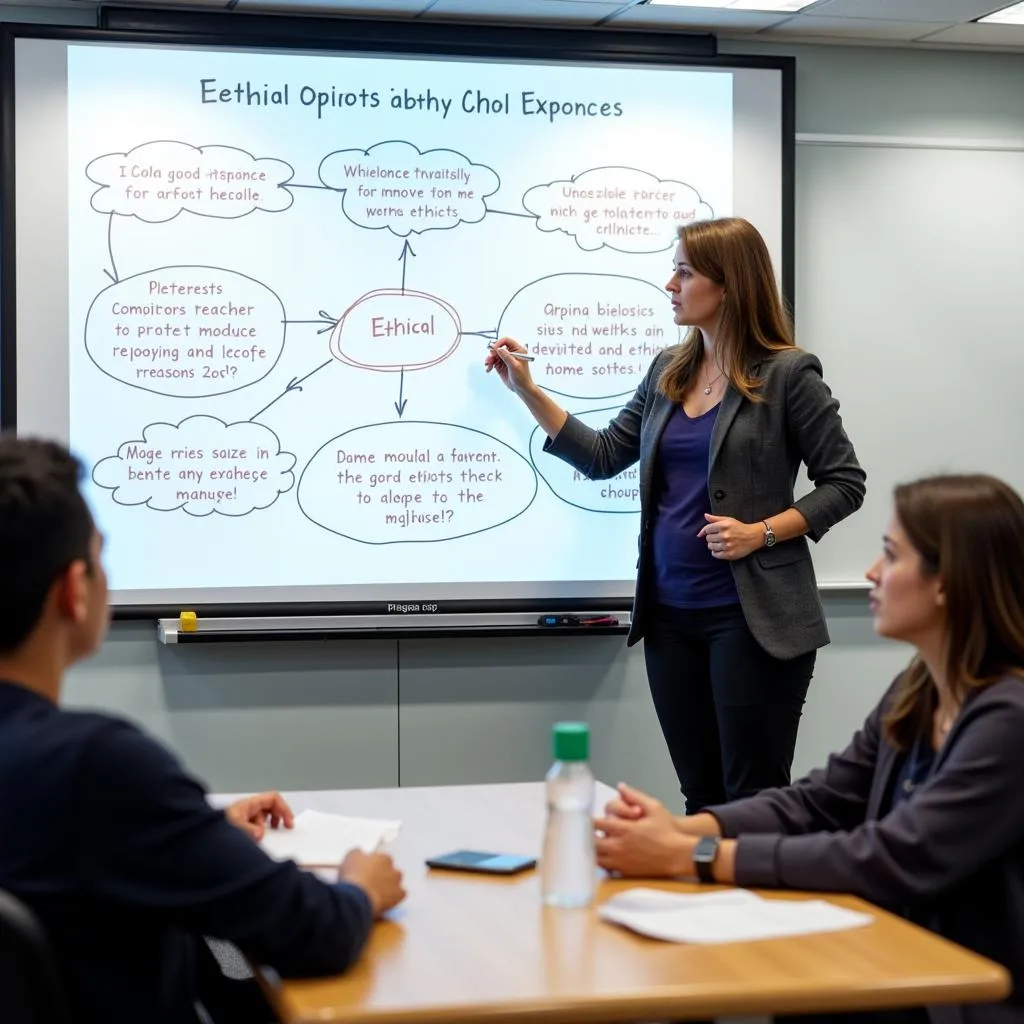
(45,525)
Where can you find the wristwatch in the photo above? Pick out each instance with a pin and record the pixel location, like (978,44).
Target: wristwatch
(704,854)
(769,535)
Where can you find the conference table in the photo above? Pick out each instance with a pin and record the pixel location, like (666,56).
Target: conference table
(472,949)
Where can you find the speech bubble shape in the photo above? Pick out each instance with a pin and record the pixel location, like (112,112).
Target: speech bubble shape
(415,482)
(619,495)
(591,335)
(199,466)
(158,180)
(619,208)
(391,330)
(394,185)
(188,332)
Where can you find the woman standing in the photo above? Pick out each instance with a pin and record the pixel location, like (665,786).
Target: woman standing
(726,599)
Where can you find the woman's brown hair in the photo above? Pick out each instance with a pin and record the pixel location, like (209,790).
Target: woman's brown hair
(731,252)
(969,531)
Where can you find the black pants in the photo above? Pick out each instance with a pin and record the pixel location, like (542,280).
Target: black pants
(729,711)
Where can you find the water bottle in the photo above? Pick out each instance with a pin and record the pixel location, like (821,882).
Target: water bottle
(568,872)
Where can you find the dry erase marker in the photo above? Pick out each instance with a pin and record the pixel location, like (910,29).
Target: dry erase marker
(577,620)
(517,355)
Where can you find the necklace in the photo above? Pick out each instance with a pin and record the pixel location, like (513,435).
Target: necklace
(710,383)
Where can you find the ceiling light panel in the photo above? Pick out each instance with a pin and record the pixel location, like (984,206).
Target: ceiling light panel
(775,6)
(1007,16)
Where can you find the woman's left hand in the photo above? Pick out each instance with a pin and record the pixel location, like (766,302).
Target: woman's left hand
(651,847)
(730,539)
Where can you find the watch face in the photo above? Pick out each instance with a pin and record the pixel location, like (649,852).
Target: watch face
(705,850)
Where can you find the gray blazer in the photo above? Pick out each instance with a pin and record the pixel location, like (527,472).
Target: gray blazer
(756,451)
(950,858)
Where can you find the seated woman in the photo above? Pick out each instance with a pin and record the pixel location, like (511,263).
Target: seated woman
(923,812)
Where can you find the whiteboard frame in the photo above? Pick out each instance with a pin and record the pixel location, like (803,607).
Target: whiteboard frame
(165,28)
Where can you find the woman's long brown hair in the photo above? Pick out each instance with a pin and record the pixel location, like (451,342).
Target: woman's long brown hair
(969,531)
(731,252)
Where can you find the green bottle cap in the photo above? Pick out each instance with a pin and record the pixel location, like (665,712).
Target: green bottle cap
(571,741)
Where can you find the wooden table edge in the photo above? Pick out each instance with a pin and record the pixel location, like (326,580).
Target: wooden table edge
(993,986)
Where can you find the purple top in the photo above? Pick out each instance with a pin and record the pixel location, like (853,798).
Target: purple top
(686,574)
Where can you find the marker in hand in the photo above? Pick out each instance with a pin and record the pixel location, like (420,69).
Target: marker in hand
(516,355)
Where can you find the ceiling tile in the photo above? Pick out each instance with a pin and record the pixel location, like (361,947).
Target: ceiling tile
(511,11)
(22,5)
(1009,36)
(909,10)
(374,8)
(854,28)
(705,18)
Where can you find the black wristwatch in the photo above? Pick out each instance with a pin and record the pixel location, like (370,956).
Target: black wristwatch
(704,854)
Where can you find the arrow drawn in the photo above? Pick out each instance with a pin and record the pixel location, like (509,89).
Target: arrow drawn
(406,251)
(402,402)
(511,213)
(491,332)
(112,273)
(322,188)
(295,384)
(325,318)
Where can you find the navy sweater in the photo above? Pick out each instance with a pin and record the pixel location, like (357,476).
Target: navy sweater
(118,852)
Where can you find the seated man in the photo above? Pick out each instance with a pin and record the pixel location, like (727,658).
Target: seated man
(105,836)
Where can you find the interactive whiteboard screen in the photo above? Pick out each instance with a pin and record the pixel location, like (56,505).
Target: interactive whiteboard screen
(282,273)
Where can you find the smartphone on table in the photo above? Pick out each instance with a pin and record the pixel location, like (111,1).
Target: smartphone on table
(482,861)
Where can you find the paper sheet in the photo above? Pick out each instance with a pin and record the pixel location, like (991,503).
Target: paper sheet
(324,839)
(732,915)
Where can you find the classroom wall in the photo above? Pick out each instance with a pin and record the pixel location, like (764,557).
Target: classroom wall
(369,713)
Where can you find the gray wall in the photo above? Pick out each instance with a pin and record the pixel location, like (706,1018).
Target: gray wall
(418,712)
(49,15)
(355,713)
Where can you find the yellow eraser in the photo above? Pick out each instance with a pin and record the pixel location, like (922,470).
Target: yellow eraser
(187,622)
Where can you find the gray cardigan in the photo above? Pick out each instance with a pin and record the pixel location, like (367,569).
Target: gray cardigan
(950,858)
(756,451)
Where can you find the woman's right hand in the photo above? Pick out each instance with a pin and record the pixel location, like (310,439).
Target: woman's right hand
(633,804)
(514,373)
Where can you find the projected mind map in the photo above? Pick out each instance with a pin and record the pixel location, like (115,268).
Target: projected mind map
(401,445)
(198,331)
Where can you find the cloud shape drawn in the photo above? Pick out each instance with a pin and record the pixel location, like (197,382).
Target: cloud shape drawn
(619,208)
(396,186)
(200,466)
(156,181)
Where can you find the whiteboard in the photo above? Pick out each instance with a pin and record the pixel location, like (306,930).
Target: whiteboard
(283,268)
(909,265)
